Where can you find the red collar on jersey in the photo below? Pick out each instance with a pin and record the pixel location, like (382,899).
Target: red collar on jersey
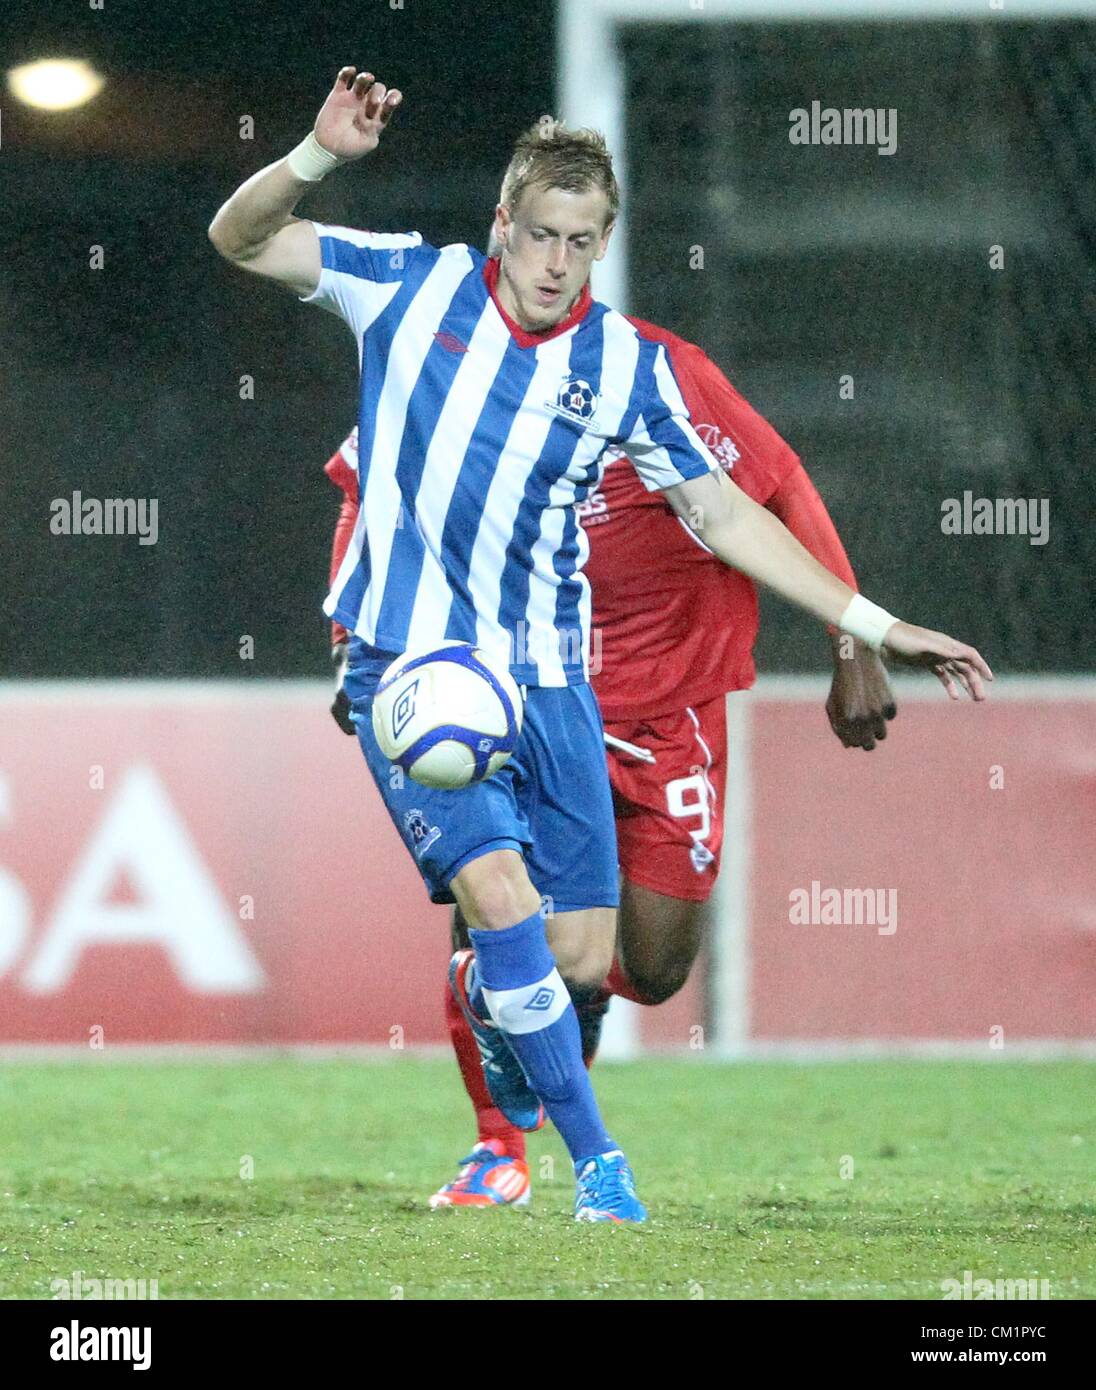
(578,311)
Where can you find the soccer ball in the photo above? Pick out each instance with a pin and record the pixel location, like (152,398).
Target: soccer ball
(448,717)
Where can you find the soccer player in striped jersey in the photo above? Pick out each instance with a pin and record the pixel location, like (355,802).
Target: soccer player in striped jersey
(673,637)
(490,393)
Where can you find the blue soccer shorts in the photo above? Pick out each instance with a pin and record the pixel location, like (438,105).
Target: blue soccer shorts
(551,801)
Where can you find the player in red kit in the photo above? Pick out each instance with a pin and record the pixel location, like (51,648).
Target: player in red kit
(671,637)
(676,636)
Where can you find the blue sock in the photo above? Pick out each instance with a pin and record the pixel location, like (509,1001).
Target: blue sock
(517,981)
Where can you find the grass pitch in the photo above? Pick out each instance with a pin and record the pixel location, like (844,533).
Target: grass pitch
(122,1169)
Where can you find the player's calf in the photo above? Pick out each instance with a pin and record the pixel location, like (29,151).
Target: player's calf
(591,1001)
(522,989)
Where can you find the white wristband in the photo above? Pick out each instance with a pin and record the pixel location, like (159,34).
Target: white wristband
(867,621)
(310,161)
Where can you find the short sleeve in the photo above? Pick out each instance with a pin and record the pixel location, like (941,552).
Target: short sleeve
(663,446)
(361,271)
(743,441)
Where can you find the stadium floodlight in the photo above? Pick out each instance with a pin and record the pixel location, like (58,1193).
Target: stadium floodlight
(55,84)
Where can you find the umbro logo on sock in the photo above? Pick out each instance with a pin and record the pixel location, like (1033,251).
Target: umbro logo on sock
(542,999)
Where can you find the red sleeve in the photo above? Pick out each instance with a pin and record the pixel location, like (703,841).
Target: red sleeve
(344,529)
(743,441)
(762,464)
(798,505)
(343,474)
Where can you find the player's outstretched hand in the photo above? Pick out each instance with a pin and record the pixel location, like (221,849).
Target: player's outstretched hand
(951,662)
(357,109)
(860,700)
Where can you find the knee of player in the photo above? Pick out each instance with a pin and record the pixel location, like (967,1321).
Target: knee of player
(584,986)
(584,971)
(494,891)
(661,981)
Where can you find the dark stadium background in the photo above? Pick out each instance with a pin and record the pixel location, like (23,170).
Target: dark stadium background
(124,381)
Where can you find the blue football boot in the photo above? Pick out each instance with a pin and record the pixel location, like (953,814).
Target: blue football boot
(607,1190)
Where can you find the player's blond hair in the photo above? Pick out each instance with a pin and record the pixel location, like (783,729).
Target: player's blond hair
(548,155)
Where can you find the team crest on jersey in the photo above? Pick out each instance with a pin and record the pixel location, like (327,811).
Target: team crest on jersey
(576,400)
(721,445)
(422,833)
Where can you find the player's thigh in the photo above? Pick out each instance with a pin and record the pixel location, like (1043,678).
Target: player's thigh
(567,802)
(669,815)
(445,831)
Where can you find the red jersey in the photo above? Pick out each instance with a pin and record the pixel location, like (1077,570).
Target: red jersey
(673,626)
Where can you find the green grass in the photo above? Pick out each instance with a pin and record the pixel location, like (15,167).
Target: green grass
(121,1169)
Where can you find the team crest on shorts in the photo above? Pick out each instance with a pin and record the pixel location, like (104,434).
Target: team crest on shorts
(701,856)
(422,833)
(575,400)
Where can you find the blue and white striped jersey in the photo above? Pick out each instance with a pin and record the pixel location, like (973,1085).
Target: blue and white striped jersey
(475,442)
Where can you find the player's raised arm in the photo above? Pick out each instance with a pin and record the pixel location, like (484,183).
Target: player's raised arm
(256,229)
(745,535)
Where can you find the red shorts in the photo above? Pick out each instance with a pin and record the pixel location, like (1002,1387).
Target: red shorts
(669,813)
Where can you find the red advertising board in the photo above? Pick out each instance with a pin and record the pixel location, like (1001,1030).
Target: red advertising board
(211,863)
(973,829)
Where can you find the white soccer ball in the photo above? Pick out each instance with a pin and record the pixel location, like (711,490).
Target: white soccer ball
(448,717)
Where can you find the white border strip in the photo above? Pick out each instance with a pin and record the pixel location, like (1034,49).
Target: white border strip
(74,693)
(923,688)
(601,12)
(590,92)
(914,1049)
(228,1054)
(730,904)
